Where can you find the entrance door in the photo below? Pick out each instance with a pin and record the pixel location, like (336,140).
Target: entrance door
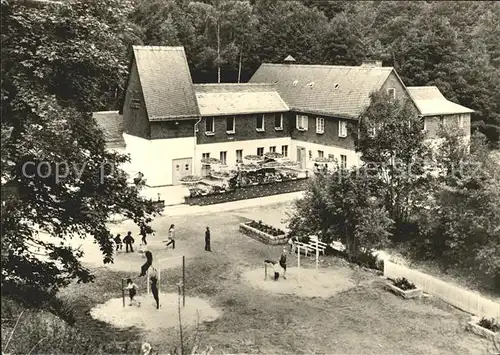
(181,168)
(301,157)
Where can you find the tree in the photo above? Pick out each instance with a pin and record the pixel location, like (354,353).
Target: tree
(391,143)
(57,61)
(341,206)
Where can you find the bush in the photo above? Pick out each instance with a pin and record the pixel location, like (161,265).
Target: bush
(404,284)
(367,259)
(490,324)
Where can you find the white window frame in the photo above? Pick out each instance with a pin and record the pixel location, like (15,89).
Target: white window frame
(461,119)
(262,150)
(205,155)
(280,128)
(234,126)
(212,132)
(239,160)
(424,128)
(263,128)
(321,153)
(272,149)
(304,122)
(393,90)
(320,125)
(372,131)
(284,150)
(221,154)
(342,128)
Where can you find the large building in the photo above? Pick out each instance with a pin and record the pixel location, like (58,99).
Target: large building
(301,111)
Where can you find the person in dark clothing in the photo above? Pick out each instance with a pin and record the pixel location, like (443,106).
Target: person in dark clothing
(128,240)
(283,262)
(171,236)
(118,242)
(132,291)
(207,239)
(147,264)
(154,290)
(143,234)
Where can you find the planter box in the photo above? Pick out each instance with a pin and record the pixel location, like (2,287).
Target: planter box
(475,328)
(263,237)
(415,293)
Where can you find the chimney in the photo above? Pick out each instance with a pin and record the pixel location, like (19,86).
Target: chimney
(372,63)
(289,60)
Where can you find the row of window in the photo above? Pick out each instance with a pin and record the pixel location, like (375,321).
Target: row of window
(239,153)
(302,124)
(321,154)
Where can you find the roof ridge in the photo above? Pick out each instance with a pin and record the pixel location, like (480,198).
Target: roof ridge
(249,84)
(326,66)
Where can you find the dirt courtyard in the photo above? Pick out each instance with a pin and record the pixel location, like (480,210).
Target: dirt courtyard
(303,282)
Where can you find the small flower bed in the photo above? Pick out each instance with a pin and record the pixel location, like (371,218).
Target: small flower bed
(249,167)
(265,228)
(271,164)
(323,160)
(221,174)
(290,163)
(254,157)
(404,284)
(490,324)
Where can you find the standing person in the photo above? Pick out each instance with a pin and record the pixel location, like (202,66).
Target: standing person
(154,290)
(147,264)
(118,242)
(171,236)
(143,233)
(283,262)
(132,292)
(290,243)
(207,239)
(128,240)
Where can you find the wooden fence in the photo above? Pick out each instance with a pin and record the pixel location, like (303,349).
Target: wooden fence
(466,300)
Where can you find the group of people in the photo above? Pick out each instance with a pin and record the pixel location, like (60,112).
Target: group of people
(278,266)
(128,240)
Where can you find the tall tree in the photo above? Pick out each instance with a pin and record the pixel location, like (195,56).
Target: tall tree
(57,61)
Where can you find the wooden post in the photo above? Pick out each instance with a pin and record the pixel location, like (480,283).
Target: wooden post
(147,282)
(317,252)
(265,271)
(183,281)
(298,262)
(123,294)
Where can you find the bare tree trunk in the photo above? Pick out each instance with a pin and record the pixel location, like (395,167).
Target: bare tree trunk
(239,66)
(218,51)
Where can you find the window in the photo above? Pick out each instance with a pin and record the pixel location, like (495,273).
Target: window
(205,155)
(135,104)
(278,121)
(239,156)
(302,122)
(423,124)
(209,125)
(272,149)
(331,157)
(342,129)
(223,157)
(371,132)
(230,125)
(320,125)
(392,92)
(321,154)
(260,151)
(260,123)
(343,161)
(284,150)
(461,121)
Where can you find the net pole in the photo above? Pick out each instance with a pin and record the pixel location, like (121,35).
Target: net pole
(183,281)
(123,294)
(298,263)
(317,253)
(265,271)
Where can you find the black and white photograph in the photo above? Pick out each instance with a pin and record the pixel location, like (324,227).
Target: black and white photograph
(268,177)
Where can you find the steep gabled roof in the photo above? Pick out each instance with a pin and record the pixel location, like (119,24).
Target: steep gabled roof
(238,99)
(166,82)
(430,101)
(111,124)
(333,90)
